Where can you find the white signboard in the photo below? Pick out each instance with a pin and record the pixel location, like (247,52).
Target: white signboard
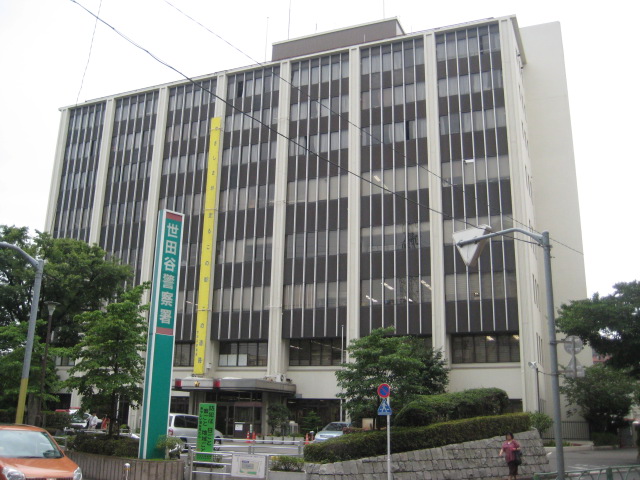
(249,466)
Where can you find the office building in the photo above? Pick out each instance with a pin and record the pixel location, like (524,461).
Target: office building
(343,167)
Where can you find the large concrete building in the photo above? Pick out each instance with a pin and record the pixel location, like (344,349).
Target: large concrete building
(345,166)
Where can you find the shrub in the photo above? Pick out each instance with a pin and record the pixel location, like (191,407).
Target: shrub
(541,421)
(57,420)
(601,439)
(105,445)
(287,463)
(428,409)
(404,439)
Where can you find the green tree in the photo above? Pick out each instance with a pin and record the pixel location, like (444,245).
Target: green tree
(405,363)
(609,324)
(311,422)
(277,418)
(604,395)
(76,275)
(109,367)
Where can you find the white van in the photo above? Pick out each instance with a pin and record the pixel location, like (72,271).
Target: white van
(186,428)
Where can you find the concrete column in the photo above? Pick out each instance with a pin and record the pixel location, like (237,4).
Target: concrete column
(102,172)
(439,330)
(355,199)
(276,359)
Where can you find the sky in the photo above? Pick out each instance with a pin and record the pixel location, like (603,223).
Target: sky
(48,60)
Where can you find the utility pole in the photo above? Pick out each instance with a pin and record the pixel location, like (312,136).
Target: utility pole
(38,264)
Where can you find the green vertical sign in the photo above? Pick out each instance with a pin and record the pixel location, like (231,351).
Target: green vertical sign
(162,316)
(206,431)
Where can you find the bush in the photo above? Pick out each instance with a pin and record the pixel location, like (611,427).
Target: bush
(404,439)
(287,463)
(601,439)
(428,409)
(540,421)
(57,420)
(105,445)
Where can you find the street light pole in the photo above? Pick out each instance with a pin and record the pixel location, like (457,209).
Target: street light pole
(51,307)
(543,241)
(38,264)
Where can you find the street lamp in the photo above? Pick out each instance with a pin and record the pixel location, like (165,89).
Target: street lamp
(470,243)
(51,307)
(534,365)
(38,264)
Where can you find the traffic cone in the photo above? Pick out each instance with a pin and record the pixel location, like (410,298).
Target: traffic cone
(255,435)
(248,438)
(306,439)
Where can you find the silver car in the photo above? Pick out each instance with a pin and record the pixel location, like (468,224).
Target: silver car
(186,428)
(332,430)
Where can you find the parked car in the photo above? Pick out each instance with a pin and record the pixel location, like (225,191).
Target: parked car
(78,419)
(186,428)
(331,430)
(30,452)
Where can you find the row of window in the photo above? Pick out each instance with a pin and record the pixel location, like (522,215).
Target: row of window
(188,96)
(315,295)
(483,348)
(244,250)
(317,189)
(392,291)
(474,286)
(395,237)
(315,244)
(320,70)
(468,43)
(250,299)
(473,121)
(474,170)
(476,348)
(128,110)
(395,180)
(257,82)
(246,197)
(398,95)
(311,109)
(245,121)
(243,354)
(473,83)
(249,153)
(392,57)
(319,143)
(394,132)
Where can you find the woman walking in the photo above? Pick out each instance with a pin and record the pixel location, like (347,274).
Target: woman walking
(509,448)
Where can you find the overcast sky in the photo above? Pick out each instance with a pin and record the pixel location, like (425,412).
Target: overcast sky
(44,49)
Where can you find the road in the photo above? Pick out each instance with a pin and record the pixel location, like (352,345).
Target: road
(578,458)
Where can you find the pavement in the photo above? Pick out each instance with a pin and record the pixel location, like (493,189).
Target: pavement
(587,457)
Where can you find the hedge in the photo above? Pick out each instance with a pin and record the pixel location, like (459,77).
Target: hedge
(105,445)
(429,409)
(404,439)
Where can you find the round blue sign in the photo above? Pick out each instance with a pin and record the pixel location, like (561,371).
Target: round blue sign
(384,390)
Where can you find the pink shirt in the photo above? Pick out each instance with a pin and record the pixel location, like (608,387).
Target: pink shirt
(508,448)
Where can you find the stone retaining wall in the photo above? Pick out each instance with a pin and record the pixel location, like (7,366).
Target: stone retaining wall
(477,460)
(102,467)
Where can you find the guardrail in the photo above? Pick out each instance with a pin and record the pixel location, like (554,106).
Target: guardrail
(249,446)
(623,472)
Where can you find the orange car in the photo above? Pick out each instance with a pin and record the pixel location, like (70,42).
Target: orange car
(30,452)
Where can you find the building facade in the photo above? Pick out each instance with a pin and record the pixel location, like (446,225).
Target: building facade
(343,168)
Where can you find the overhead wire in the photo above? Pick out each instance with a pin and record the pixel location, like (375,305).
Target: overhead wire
(445,181)
(84,73)
(289,139)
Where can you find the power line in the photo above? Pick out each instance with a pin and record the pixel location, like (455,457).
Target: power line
(491,210)
(89,56)
(268,127)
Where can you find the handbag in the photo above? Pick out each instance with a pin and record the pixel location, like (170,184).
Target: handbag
(517,457)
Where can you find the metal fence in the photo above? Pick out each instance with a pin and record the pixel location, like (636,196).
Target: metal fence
(625,472)
(570,431)
(219,461)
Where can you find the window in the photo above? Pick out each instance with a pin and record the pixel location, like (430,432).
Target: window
(315,351)
(485,348)
(243,354)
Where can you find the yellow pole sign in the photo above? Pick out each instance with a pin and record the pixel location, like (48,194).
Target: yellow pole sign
(206,253)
